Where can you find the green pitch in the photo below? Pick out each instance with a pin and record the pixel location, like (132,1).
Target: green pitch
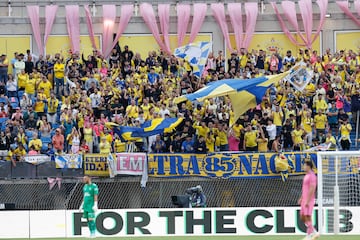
(340,237)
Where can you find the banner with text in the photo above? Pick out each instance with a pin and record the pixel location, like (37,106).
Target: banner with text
(224,165)
(115,164)
(176,222)
(37,159)
(96,165)
(73,161)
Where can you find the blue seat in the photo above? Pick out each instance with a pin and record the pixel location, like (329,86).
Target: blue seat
(14,101)
(20,94)
(55,126)
(44,148)
(3,120)
(3,100)
(45,140)
(29,134)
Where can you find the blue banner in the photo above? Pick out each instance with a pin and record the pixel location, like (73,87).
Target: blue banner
(224,165)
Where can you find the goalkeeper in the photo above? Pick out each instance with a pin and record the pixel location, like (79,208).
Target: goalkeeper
(283,165)
(90,204)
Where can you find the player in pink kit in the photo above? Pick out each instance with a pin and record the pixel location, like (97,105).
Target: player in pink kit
(307,200)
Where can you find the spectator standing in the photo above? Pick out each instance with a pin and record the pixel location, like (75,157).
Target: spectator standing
(58,141)
(4,65)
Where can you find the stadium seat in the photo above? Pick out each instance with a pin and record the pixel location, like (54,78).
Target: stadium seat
(3,100)
(20,94)
(3,120)
(29,134)
(14,102)
(45,140)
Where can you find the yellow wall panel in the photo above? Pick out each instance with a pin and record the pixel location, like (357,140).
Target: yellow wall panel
(347,41)
(145,43)
(271,42)
(61,44)
(11,44)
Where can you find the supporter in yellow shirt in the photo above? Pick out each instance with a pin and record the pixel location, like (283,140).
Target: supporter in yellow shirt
(320,121)
(35,142)
(105,147)
(210,142)
(320,104)
(297,137)
(345,129)
(22,78)
(250,137)
(201,129)
(223,137)
(18,154)
(330,139)
(46,85)
(30,87)
(59,74)
(39,105)
(132,111)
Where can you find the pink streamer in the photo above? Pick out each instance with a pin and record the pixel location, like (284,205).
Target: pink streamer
(343,5)
(90,26)
(73,26)
(164,18)
(234,10)
(33,13)
(323,4)
(109,17)
(290,14)
(219,15)
(147,12)
(198,19)
(126,14)
(50,14)
(251,11)
(183,17)
(283,26)
(307,18)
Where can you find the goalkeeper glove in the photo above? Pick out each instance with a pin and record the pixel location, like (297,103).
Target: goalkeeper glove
(95,207)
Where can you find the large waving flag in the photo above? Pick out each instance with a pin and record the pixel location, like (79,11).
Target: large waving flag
(196,54)
(148,128)
(244,94)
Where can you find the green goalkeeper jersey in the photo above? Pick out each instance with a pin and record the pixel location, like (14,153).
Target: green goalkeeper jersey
(89,190)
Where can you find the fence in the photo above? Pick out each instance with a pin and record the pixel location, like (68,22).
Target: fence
(126,192)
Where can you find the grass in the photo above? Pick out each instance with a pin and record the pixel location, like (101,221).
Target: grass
(282,237)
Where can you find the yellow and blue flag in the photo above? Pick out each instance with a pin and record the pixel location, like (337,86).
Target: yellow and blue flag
(196,54)
(244,94)
(148,128)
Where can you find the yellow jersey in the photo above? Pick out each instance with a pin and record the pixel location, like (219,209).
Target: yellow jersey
(320,121)
(30,86)
(250,139)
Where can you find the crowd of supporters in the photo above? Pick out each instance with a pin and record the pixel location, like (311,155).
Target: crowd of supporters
(64,104)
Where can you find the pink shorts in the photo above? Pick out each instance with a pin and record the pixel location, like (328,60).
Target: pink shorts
(306,211)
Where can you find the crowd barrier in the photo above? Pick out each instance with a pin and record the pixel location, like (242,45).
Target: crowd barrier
(225,165)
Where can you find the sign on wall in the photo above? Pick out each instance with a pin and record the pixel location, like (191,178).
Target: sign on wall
(148,43)
(171,222)
(347,40)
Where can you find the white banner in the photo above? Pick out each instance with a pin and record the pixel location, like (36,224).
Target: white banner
(37,159)
(69,161)
(299,76)
(170,222)
(128,164)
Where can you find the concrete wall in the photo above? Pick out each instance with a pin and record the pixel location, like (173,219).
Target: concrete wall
(18,23)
